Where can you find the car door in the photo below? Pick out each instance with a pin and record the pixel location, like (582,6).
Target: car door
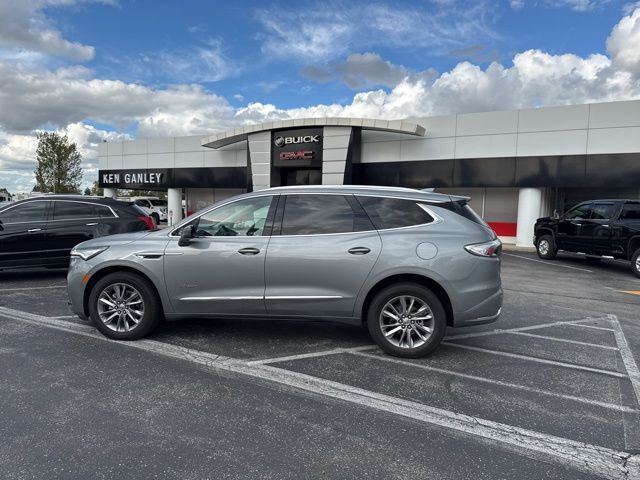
(221,271)
(70,223)
(322,249)
(570,228)
(597,230)
(22,234)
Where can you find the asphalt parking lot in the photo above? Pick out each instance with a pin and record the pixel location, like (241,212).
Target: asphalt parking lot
(551,390)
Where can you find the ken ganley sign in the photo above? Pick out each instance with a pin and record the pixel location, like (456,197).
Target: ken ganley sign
(297,147)
(133,178)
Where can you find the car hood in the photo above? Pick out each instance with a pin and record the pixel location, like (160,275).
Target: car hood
(111,240)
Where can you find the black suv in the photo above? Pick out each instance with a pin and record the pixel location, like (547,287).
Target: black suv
(41,231)
(595,228)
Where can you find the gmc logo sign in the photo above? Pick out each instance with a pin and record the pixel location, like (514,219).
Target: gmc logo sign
(302,155)
(282,141)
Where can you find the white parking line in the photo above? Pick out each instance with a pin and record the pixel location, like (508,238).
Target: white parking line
(575,324)
(517,329)
(301,356)
(551,264)
(593,459)
(565,340)
(573,366)
(627,356)
(25,289)
(610,406)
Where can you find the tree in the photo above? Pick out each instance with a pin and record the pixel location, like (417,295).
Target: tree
(59,168)
(87,191)
(96,190)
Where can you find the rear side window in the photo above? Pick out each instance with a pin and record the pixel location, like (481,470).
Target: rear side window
(72,210)
(25,212)
(103,211)
(393,212)
(319,214)
(603,211)
(630,211)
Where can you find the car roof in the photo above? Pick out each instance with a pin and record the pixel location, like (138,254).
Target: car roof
(382,191)
(78,198)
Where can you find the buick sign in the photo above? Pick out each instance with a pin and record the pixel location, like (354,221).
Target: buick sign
(297,147)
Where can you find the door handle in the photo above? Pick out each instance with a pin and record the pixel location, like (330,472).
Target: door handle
(33,230)
(92,224)
(359,250)
(249,251)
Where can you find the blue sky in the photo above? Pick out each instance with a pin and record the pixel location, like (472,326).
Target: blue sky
(117,69)
(129,38)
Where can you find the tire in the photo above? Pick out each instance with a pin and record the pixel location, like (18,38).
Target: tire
(398,343)
(635,262)
(546,247)
(136,287)
(156,218)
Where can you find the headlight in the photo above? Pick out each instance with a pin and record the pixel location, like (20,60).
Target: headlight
(88,252)
(487,249)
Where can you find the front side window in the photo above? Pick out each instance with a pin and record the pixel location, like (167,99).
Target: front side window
(319,214)
(394,212)
(581,212)
(25,212)
(242,218)
(603,211)
(72,210)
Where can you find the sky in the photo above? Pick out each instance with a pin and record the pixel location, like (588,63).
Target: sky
(111,70)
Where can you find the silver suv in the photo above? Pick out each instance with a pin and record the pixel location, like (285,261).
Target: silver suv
(403,262)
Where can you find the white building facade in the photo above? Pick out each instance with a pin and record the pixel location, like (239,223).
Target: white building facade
(516,165)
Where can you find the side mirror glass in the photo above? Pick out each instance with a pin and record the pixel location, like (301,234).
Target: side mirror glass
(186,235)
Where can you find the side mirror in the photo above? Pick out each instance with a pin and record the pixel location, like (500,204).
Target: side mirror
(186,235)
(556,215)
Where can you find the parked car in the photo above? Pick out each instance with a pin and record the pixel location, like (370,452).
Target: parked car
(41,231)
(153,206)
(404,262)
(596,228)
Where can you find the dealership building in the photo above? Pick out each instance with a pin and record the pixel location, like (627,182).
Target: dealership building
(516,165)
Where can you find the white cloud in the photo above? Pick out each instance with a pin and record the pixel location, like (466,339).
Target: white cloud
(624,43)
(576,5)
(24,27)
(320,34)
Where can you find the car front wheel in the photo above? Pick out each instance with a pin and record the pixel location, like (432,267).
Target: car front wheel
(635,263)
(124,306)
(546,247)
(407,320)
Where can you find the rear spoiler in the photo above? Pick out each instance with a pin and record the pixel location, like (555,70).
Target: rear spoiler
(459,199)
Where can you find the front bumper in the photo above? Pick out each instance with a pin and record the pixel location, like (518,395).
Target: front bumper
(76,284)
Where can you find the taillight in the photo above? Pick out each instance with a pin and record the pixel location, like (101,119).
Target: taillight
(487,249)
(148,221)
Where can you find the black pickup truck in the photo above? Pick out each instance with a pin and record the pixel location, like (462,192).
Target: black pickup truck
(595,228)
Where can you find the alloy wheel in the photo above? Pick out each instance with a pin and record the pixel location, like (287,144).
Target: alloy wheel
(120,307)
(543,247)
(406,321)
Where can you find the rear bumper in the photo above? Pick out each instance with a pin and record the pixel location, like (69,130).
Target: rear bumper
(486,312)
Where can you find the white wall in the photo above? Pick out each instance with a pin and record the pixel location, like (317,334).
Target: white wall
(612,127)
(172,152)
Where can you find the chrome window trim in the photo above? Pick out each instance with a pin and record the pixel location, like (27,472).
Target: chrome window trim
(419,202)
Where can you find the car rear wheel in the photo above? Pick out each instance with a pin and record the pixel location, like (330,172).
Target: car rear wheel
(635,263)
(546,247)
(407,320)
(156,218)
(124,306)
